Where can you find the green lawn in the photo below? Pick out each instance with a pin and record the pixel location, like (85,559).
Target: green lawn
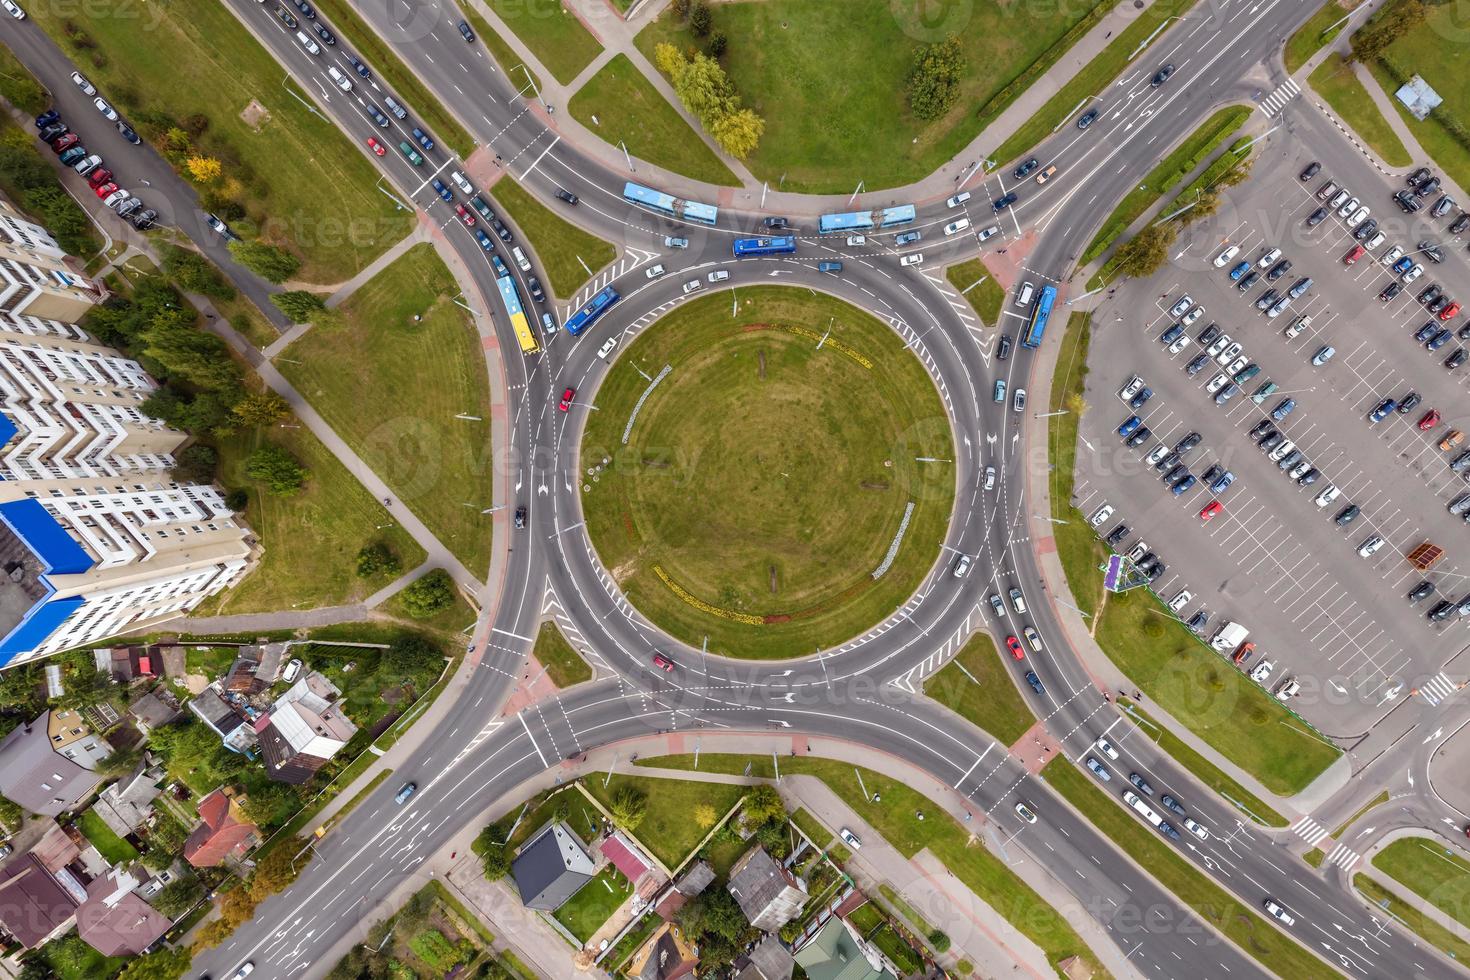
(828,77)
(585,912)
(1340,88)
(567,253)
(1092,79)
(1312,36)
(303,183)
(1434,50)
(892,945)
(1314,857)
(719,522)
(563,664)
(667,829)
(977,686)
(812,827)
(72,959)
(510,63)
(582,816)
(1427,928)
(212,662)
(108,844)
(456,619)
(981,291)
(916,921)
(416,377)
(310,539)
(552,32)
(1078,548)
(896,819)
(1170,171)
(630,943)
(1277,953)
(629,109)
(1431,871)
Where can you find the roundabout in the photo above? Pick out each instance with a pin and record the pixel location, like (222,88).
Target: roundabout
(777,481)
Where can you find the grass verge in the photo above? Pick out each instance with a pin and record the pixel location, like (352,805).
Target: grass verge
(1276,952)
(668,829)
(1314,35)
(1432,135)
(563,664)
(812,827)
(417,377)
(896,819)
(568,254)
(1078,549)
(1091,79)
(1378,800)
(1431,871)
(1339,87)
(108,844)
(553,33)
(976,686)
(979,288)
(1416,921)
(1171,170)
(1314,857)
(629,110)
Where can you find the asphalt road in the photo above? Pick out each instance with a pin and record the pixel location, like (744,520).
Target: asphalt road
(472,763)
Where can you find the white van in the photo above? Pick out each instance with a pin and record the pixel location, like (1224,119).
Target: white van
(307,43)
(339,79)
(520,257)
(461,182)
(1023,297)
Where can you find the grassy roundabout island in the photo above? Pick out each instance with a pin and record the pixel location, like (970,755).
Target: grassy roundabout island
(765,479)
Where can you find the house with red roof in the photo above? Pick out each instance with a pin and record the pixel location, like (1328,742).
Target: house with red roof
(223,832)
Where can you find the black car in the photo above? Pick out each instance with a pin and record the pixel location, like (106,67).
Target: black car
(1141,783)
(1208,334)
(1213,473)
(327,36)
(1025,168)
(1172,334)
(1441,611)
(1435,253)
(1419,175)
(1427,187)
(1162,75)
(1347,515)
(1272,441)
(1456,359)
(1430,293)
(52,131)
(1461,462)
(144,220)
(1316,217)
(500,229)
(567,196)
(287,18)
(1174,472)
(1172,459)
(775,223)
(1157,571)
(1197,622)
(377,115)
(1117,534)
(1139,437)
(1173,804)
(1248,280)
(1138,400)
(1308,478)
(1429,329)
(1438,303)
(1167,829)
(1464,332)
(534,285)
(520,518)
(1087,118)
(1188,442)
(359,67)
(1313,169)
(1259,430)
(1421,592)
(1461,223)
(1366,229)
(1442,207)
(1408,202)
(1409,402)
(1001,203)
(1278,270)
(305,9)
(1003,347)
(1464,606)
(465,32)
(1267,298)
(1195,366)
(1390,291)
(127,133)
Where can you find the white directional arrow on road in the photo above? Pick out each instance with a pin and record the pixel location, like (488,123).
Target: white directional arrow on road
(543,489)
(1429,738)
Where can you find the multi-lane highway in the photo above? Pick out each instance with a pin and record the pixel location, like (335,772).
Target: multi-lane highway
(476,759)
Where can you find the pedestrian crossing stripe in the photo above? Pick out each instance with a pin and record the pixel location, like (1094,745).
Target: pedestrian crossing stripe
(1437,688)
(1283,94)
(1309,830)
(1343,857)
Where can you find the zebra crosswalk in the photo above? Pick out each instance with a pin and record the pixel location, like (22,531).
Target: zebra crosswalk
(1313,833)
(1343,856)
(1281,95)
(1309,830)
(1437,688)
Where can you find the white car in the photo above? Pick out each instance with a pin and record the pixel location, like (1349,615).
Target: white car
(1106,748)
(13,9)
(1025,813)
(80,81)
(1393,255)
(691,286)
(719,275)
(1180,342)
(1193,315)
(1278,912)
(307,43)
(1339,197)
(1268,259)
(1180,600)
(1236,365)
(1298,325)
(338,79)
(1133,387)
(1349,207)
(958,199)
(856,240)
(1101,514)
(955,227)
(1220,343)
(607,347)
(1370,547)
(913,259)
(1226,256)
(116,198)
(1327,496)
(985,233)
(1279,307)
(464,185)
(1032,637)
(1415,271)
(654,271)
(244,971)
(1378,239)
(1228,354)
(1216,383)
(1159,452)
(850,839)
(292,671)
(1181,306)
(962,566)
(1262,671)
(1195,829)
(1359,216)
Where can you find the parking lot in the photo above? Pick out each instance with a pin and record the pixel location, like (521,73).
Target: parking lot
(1271,557)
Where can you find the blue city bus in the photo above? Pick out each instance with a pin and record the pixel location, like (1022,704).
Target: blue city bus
(866,220)
(764,246)
(1040,313)
(705,214)
(591,310)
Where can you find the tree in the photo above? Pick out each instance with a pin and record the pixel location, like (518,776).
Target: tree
(412,653)
(429,595)
(376,558)
(739,132)
(201,358)
(495,862)
(1147,251)
(279,868)
(269,803)
(277,469)
(764,805)
(196,464)
(166,964)
(263,407)
(204,170)
(717,44)
(210,935)
(300,305)
(195,273)
(1392,22)
(179,896)
(628,806)
(271,262)
(700,18)
(934,78)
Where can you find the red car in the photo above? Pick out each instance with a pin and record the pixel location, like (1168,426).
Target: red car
(106,190)
(376,147)
(1014,645)
(65,142)
(663,663)
(99,177)
(1353,256)
(566,398)
(1243,652)
(1210,510)
(465,216)
(1429,420)
(1449,311)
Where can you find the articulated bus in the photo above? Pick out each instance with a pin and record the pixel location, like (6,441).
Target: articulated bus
(511,300)
(705,214)
(764,246)
(591,310)
(1040,313)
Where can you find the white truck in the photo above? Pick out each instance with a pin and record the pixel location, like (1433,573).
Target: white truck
(1229,636)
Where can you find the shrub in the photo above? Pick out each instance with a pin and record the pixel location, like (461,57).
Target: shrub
(196,464)
(376,558)
(429,595)
(934,79)
(700,19)
(277,469)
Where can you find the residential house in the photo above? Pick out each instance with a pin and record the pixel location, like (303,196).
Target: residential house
(220,714)
(768,893)
(156,708)
(666,956)
(626,856)
(551,867)
(115,920)
(126,664)
(73,738)
(770,960)
(223,832)
(240,678)
(40,776)
(35,906)
(836,952)
(304,729)
(126,804)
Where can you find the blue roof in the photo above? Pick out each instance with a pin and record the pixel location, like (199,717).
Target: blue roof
(43,535)
(898,215)
(40,622)
(846,221)
(695,211)
(7,430)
